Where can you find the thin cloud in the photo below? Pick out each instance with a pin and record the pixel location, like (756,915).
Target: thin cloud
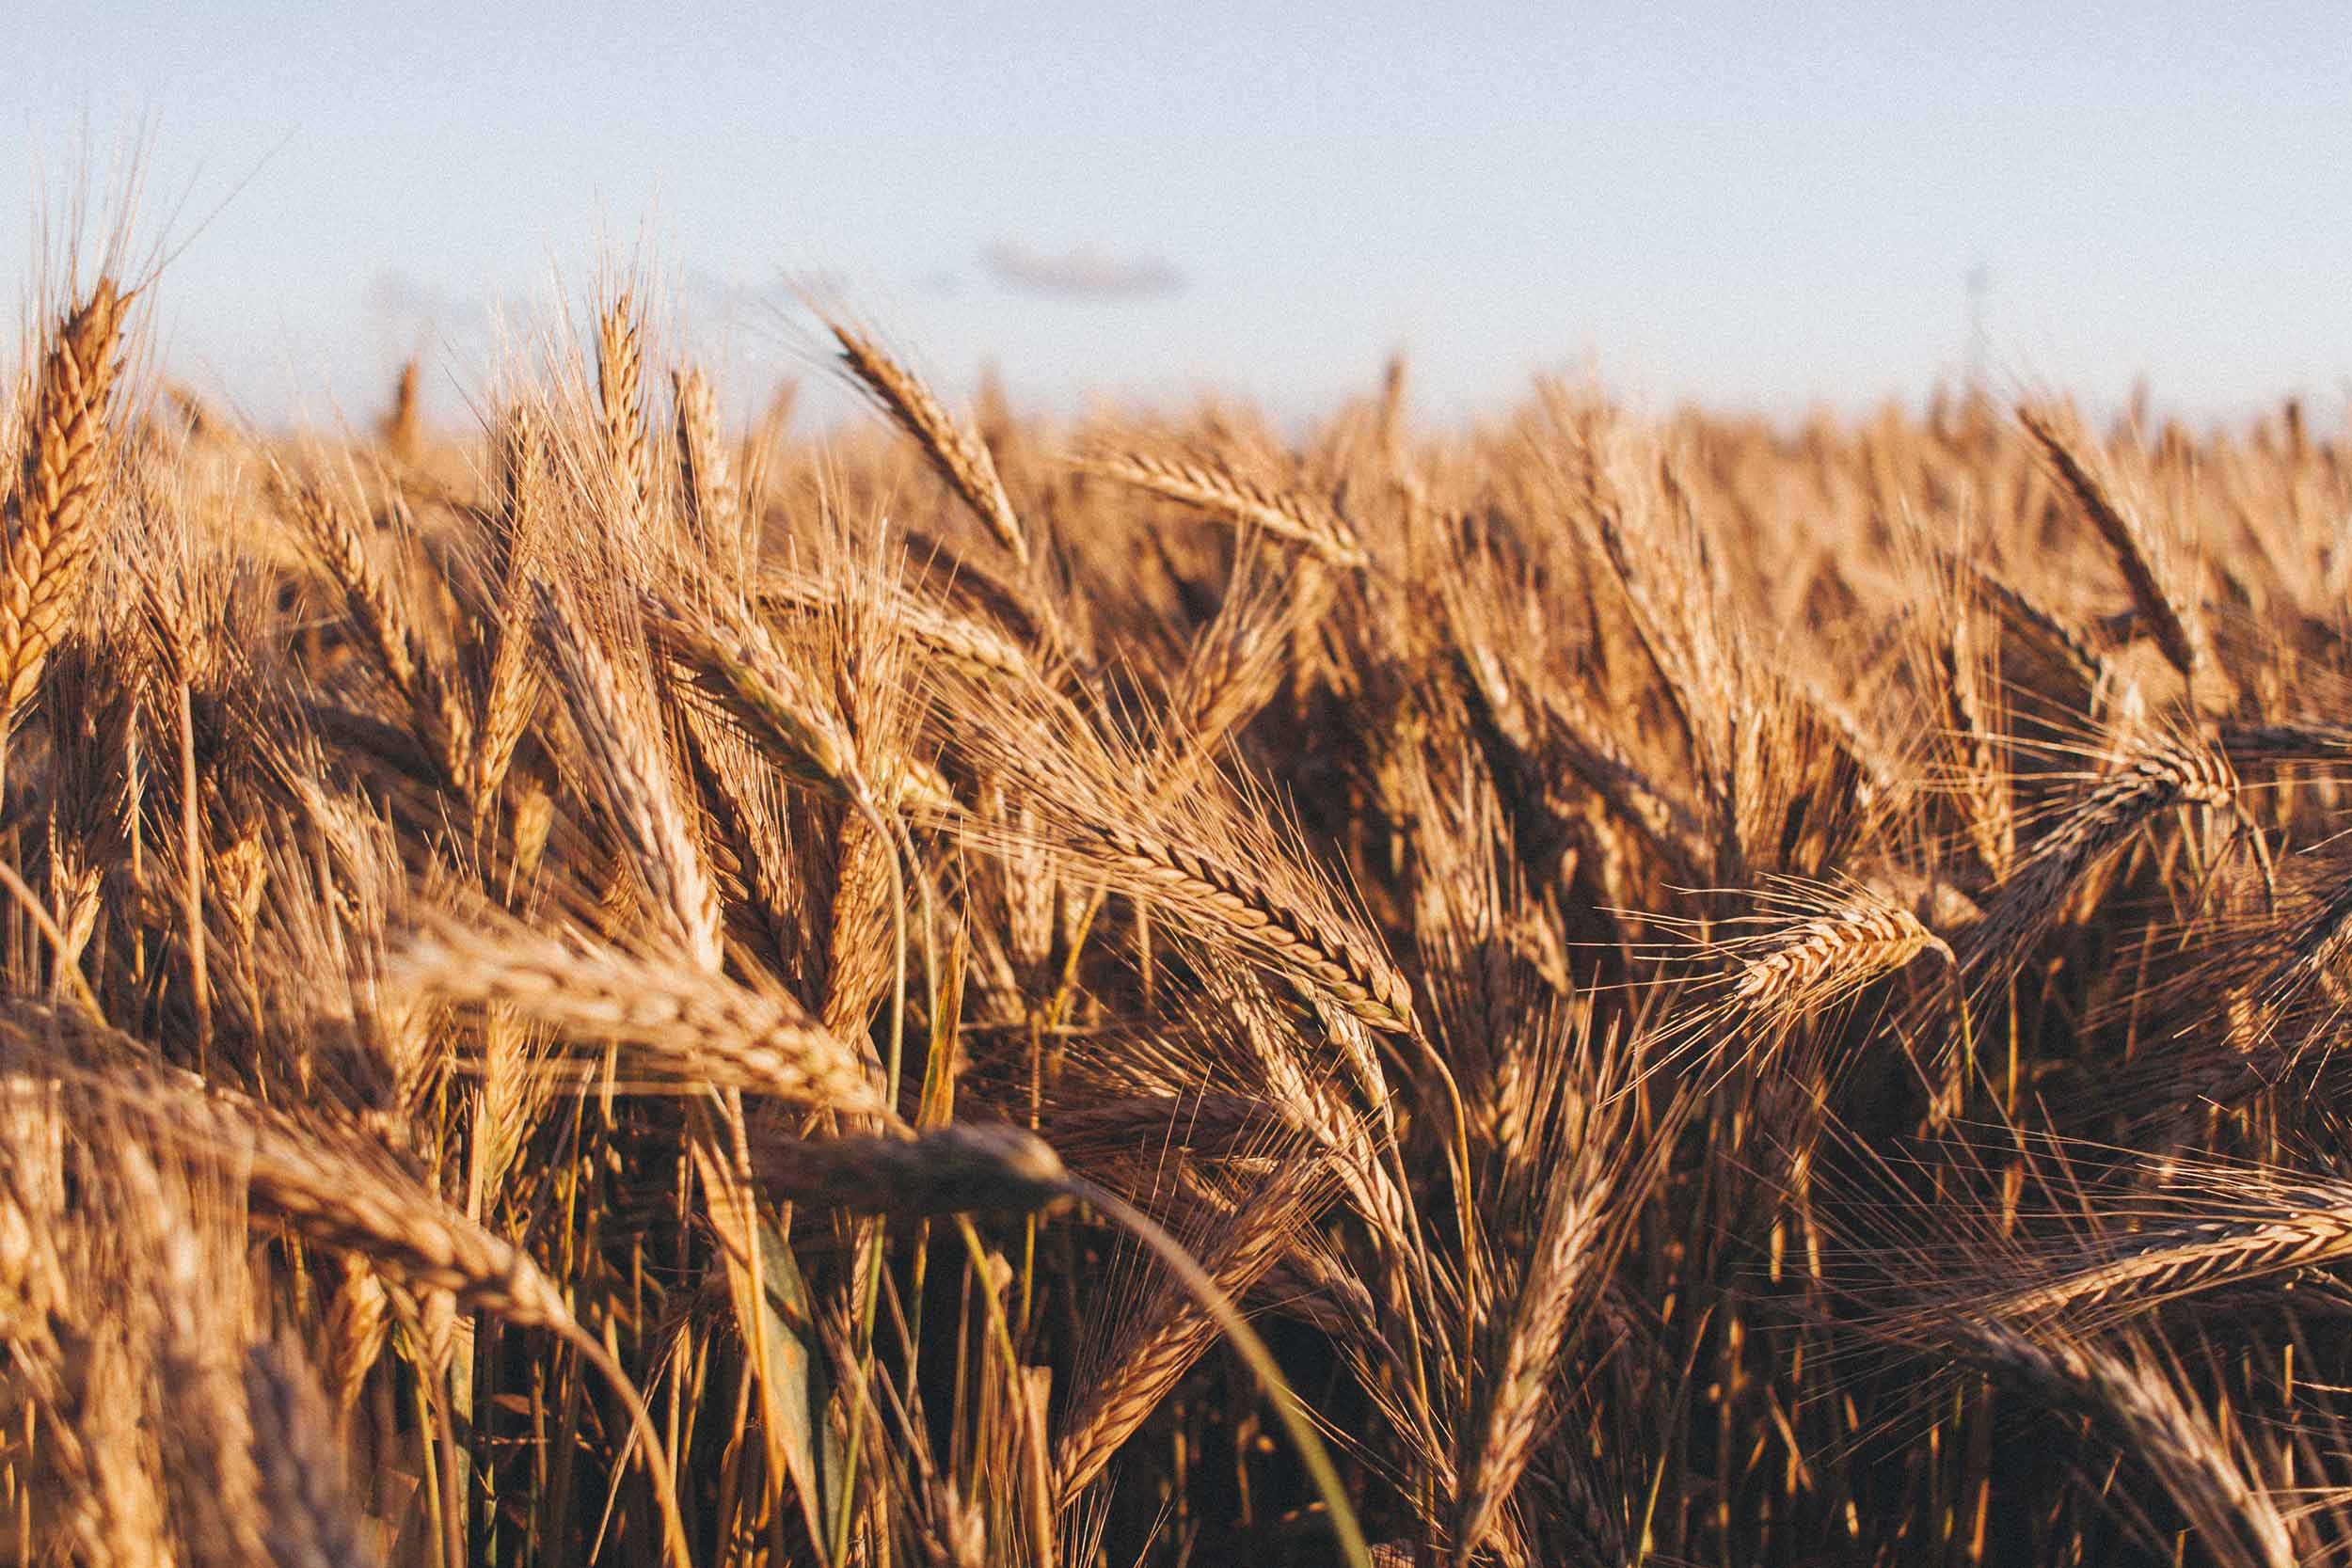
(1085,273)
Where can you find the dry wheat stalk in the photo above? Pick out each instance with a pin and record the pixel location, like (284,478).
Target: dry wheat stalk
(442,725)
(508,680)
(353,1332)
(52,522)
(1809,966)
(621,403)
(697,1025)
(961,1168)
(705,485)
(628,770)
(2155,776)
(1517,1402)
(2167,613)
(1675,619)
(741,671)
(1347,968)
(391,639)
(968,645)
(402,430)
(1581,740)
(2294,1223)
(2141,1406)
(2057,636)
(330,1187)
(1154,1346)
(960,457)
(208,1441)
(1983,780)
(1528,744)
(1213,487)
(339,1193)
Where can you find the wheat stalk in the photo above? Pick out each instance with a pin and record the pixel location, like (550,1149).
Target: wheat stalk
(1813,963)
(53,523)
(1217,489)
(1157,1345)
(2166,612)
(621,399)
(961,1168)
(2176,1442)
(960,457)
(696,1023)
(704,481)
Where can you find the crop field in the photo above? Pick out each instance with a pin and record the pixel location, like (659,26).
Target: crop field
(617,979)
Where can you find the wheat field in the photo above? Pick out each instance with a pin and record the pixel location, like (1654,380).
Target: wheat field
(619,984)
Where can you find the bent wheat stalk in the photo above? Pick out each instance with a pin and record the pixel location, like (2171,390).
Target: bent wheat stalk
(1253,1351)
(960,457)
(1212,487)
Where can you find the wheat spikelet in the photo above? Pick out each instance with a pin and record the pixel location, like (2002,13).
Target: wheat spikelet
(859,951)
(764,693)
(1676,621)
(1992,823)
(1300,942)
(1315,1108)
(629,772)
(620,399)
(2146,1413)
(509,686)
(353,1332)
(1516,1405)
(961,1168)
(331,1188)
(1577,736)
(698,1025)
(2156,775)
(1155,1345)
(2057,636)
(334,535)
(704,482)
(1211,486)
(970,646)
(1834,954)
(442,725)
(2284,1224)
(1516,758)
(959,457)
(207,1438)
(2164,611)
(53,525)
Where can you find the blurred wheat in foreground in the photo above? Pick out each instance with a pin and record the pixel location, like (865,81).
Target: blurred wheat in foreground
(602,988)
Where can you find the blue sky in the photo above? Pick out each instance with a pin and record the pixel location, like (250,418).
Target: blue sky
(1702,202)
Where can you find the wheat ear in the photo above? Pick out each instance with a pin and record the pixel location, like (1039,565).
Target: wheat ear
(53,526)
(960,457)
(620,401)
(2165,612)
(697,1024)
(1211,486)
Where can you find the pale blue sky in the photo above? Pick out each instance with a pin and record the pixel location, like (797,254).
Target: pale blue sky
(1704,202)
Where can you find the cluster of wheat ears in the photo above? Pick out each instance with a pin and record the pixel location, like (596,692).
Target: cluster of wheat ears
(1596,989)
